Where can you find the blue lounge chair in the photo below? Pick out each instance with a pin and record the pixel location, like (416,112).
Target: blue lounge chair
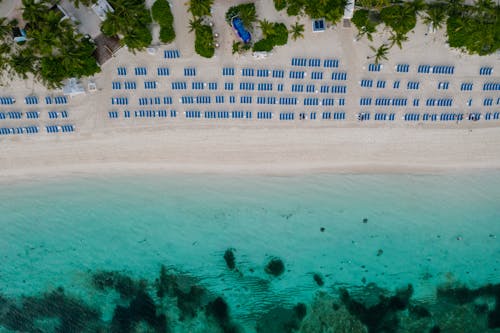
(171,54)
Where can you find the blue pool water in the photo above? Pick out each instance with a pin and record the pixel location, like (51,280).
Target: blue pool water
(351,230)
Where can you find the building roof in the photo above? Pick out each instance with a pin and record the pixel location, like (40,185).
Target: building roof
(105,48)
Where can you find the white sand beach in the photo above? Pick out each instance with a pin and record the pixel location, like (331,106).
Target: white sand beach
(101,144)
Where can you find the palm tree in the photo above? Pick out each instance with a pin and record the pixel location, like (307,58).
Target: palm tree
(398,38)
(236,47)
(23,63)
(380,53)
(33,10)
(417,6)
(297,31)
(266,27)
(248,15)
(436,15)
(200,8)
(194,24)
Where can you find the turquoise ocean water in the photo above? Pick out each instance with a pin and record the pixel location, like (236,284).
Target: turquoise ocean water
(358,232)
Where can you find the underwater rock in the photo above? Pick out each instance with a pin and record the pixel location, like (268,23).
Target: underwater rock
(300,310)
(365,220)
(494,316)
(418,311)
(322,229)
(461,294)
(380,252)
(189,303)
(381,317)
(318,279)
(275,267)
(122,320)
(326,316)
(72,314)
(142,309)
(219,311)
(120,282)
(281,320)
(461,318)
(435,329)
(229,258)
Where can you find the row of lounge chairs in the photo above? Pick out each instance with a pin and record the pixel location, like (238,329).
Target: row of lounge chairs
(287,116)
(150,85)
(189,71)
(32,115)
(119,100)
(466,86)
(142,71)
(36,129)
(439,102)
(443,85)
(155,100)
(485,70)
(171,54)
(491,86)
(143,114)
(426,69)
(19,130)
(33,100)
(402,68)
(60,128)
(314,62)
(379,116)
(384,116)
(374,67)
(382,101)
(7,100)
(11,115)
(56,100)
(316,75)
(55,114)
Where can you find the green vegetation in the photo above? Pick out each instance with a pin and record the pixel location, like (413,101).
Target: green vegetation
(380,53)
(275,34)
(87,3)
(297,31)
(200,8)
(163,15)
(53,52)
(246,12)
(401,18)
(131,19)
(280,4)
(331,10)
(366,22)
(204,36)
(474,29)
(204,42)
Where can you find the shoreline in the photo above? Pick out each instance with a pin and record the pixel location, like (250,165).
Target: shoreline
(255,151)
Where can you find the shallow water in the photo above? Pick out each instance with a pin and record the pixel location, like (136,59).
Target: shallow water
(391,230)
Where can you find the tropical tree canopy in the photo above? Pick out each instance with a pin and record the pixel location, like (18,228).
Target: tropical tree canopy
(472,28)
(331,10)
(365,22)
(246,12)
(131,19)
(162,14)
(199,8)
(475,29)
(204,42)
(297,31)
(53,52)
(401,18)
